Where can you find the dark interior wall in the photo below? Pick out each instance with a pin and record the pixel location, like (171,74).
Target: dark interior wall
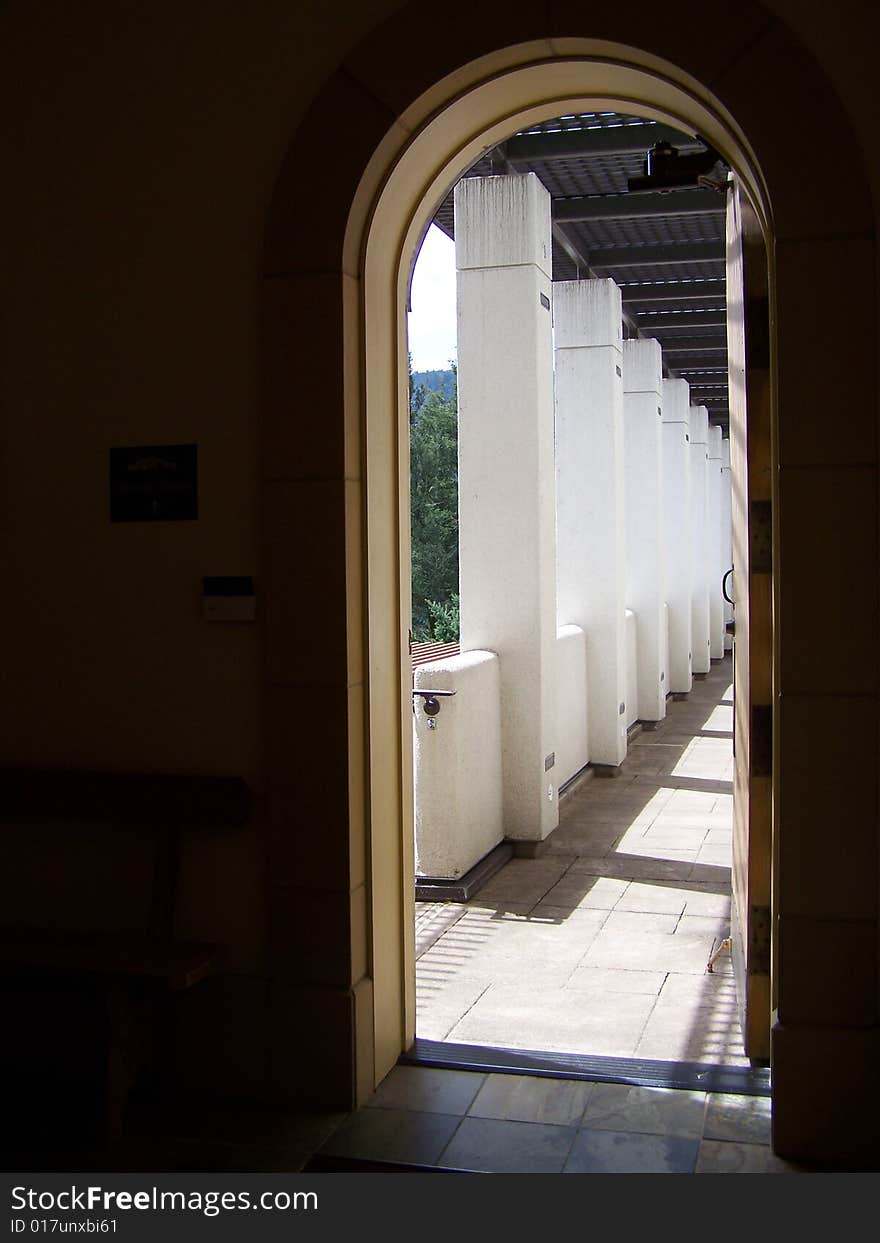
(145,140)
(142,142)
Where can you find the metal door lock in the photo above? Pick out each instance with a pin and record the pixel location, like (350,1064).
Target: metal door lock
(431,702)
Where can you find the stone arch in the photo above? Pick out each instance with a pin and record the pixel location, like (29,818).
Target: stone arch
(332,283)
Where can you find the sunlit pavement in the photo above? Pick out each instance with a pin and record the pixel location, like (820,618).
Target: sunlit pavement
(601,945)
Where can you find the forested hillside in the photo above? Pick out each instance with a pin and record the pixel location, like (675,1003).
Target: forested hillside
(434,501)
(442,382)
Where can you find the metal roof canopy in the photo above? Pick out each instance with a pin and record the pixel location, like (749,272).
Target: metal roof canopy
(665,249)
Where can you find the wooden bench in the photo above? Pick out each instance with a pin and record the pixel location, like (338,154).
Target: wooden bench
(128,972)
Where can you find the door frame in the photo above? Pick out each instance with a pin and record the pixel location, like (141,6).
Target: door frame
(408,186)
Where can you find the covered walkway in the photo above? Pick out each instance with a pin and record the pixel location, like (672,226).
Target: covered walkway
(600,945)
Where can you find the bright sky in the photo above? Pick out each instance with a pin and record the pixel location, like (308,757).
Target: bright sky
(432,340)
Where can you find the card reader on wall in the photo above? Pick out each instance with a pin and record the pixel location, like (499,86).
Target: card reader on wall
(228,598)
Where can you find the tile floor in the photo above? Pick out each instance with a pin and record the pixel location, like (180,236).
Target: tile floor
(600,946)
(499,1123)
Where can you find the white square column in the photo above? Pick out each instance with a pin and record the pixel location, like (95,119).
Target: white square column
(726,537)
(591,564)
(643,471)
(698,417)
(507,545)
(676,529)
(715,571)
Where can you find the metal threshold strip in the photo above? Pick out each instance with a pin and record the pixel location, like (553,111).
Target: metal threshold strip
(637,1072)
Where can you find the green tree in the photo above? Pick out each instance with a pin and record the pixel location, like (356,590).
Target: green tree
(443,618)
(434,508)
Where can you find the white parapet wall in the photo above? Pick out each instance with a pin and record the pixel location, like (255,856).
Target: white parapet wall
(458,803)
(632,668)
(572,703)
(506,486)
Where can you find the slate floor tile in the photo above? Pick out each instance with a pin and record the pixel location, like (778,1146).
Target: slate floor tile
(393,1135)
(500,1147)
(652,1111)
(526,1098)
(617,1152)
(426,1089)
(720,1157)
(745,1119)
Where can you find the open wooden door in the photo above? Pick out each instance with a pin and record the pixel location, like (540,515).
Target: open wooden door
(750,458)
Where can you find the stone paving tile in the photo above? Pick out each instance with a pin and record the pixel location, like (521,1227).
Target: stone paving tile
(499,1147)
(573,845)
(393,1135)
(744,1119)
(525,880)
(612,1152)
(713,925)
(436,1022)
(583,890)
(720,719)
(661,896)
(716,991)
(596,810)
(526,1098)
(654,855)
(608,980)
(629,866)
(650,951)
(692,1039)
(704,900)
(638,923)
(654,1111)
(442,999)
(540,949)
(497,907)
(680,818)
(716,856)
(667,841)
(603,828)
(692,800)
(427,1090)
(433,919)
(602,822)
(711,873)
(557,1019)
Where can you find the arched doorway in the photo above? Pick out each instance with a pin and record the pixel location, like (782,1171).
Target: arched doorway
(433,157)
(406,154)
